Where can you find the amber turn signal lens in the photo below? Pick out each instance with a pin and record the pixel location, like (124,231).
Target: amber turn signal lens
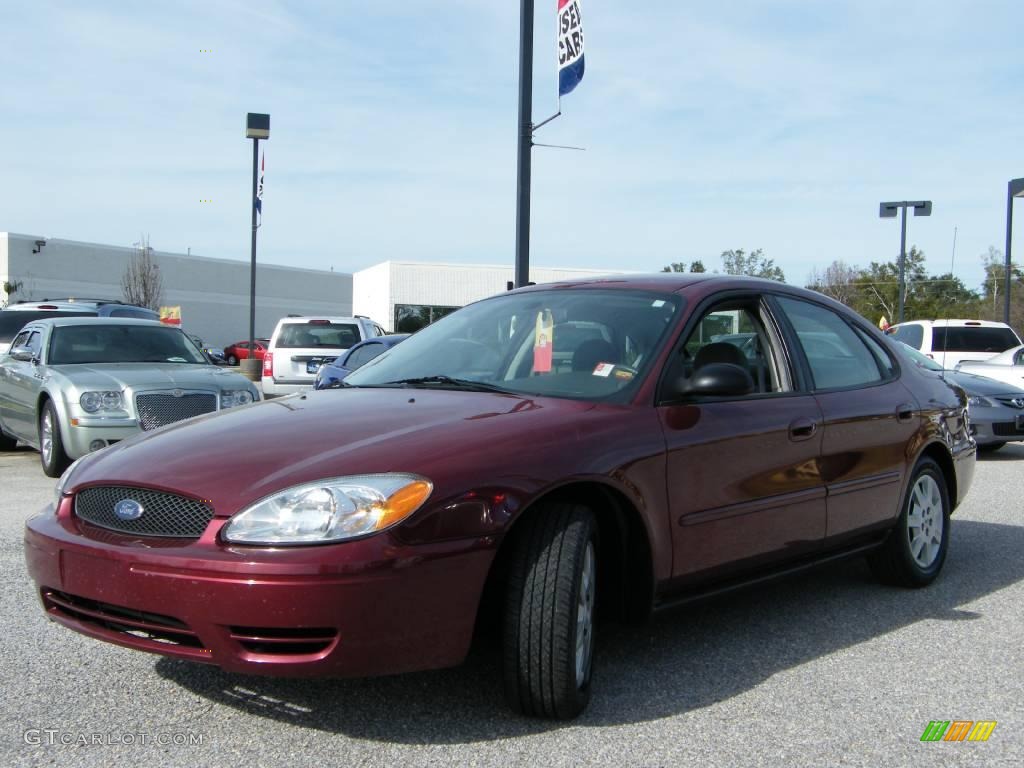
(404,502)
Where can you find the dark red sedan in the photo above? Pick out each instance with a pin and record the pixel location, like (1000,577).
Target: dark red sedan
(603,447)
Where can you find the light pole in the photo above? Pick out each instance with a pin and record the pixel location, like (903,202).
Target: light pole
(1014,189)
(257,126)
(888,211)
(525,128)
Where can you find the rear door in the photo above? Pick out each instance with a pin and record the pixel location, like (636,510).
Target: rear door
(869,416)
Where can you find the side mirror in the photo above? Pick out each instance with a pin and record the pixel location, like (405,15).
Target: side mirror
(23,353)
(717,380)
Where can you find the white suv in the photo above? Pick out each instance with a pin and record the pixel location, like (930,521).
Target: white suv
(955,341)
(300,345)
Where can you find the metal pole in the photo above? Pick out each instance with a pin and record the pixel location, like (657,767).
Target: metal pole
(525,127)
(252,268)
(1009,245)
(903,259)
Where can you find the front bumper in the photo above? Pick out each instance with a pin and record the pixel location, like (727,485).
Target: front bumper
(367,607)
(996,425)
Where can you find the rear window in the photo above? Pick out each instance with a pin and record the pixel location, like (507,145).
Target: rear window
(139,313)
(911,335)
(12,321)
(973,339)
(316,335)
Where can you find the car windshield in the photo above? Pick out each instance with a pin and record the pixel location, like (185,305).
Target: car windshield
(917,357)
(572,343)
(96,343)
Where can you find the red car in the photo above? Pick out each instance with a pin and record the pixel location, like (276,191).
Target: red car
(603,447)
(240,350)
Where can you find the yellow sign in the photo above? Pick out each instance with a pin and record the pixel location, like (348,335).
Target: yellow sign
(170,315)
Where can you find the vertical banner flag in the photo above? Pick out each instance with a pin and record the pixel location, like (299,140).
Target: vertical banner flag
(259,188)
(570,46)
(170,315)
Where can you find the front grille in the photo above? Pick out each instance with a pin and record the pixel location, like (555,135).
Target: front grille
(163,514)
(1006,429)
(158,410)
(141,624)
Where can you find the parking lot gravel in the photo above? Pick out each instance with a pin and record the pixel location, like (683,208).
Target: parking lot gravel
(827,668)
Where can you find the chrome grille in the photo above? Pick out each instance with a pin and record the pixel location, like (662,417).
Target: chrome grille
(157,410)
(163,514)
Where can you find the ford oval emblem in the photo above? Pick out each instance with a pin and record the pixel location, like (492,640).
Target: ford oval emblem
(128,509)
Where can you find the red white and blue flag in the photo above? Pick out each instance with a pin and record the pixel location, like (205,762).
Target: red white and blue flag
(570,46)
(259,189)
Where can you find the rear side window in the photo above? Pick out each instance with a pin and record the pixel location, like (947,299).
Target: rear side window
(911,335)
(13,320)
(837,356)
(973,339)
(324,334)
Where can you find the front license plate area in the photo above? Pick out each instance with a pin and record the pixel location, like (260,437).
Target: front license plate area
(96,578)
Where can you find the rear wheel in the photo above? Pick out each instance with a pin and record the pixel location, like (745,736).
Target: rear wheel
(549,613)
(51,445)
(913,554)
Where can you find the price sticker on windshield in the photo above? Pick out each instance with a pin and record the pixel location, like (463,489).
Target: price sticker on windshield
(543,341)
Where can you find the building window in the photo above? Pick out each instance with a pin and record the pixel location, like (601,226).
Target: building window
(409,318)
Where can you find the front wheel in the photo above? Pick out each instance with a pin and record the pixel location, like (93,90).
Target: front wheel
(549,613)
(913,554)
(232,360)
(51,445)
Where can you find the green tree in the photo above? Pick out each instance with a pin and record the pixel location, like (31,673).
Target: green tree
(678,266)
(754,264)
(993,291)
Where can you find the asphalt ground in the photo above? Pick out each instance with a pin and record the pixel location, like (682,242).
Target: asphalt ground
(828,668)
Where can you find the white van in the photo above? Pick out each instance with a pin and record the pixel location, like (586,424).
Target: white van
(300,345)
(954,341)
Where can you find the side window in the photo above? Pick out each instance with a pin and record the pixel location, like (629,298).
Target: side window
(363,355)
(735,332)
(911,335)
(885,361)
(20,340)
(837,356)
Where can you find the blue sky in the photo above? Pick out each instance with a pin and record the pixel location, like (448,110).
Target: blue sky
(748,124)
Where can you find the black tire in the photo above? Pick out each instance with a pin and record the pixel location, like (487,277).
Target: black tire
(54,459)
(542,611)
(232,360)
(895,562)
(990,447)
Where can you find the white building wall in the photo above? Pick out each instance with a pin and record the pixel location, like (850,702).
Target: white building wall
(213,293)
(448,285)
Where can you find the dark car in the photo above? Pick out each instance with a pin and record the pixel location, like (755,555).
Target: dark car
(240,350)
(330,374)
(480,469)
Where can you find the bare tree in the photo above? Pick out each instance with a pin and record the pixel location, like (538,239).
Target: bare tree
(141,283)
(838,280)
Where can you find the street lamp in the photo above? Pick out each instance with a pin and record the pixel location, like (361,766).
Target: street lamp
(1014,189)
(257,126)
(888,211)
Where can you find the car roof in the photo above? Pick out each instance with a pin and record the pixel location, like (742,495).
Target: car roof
(57,322)
(954,323)
(329,318)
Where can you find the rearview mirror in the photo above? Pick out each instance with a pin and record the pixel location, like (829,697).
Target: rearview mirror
(717,380)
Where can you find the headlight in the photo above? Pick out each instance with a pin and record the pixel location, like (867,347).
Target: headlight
(229,398)
(329,510)
(58,490)
(979,402)
(93,402)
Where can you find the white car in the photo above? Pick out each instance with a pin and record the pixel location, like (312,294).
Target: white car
(1007,367)
(300,345)
(950,342)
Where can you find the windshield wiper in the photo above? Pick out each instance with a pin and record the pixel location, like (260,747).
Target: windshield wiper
(445,382)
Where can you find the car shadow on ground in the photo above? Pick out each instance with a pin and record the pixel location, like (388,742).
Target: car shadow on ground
(680,661)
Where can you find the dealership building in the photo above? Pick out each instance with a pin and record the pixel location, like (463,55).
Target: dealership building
(213,293)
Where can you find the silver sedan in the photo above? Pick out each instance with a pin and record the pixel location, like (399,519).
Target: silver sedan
(69,386)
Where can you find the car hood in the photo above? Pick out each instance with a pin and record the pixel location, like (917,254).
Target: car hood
(238,456)
(974,384)
(150,376)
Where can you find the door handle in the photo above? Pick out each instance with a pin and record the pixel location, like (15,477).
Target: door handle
(802,429)
(904,413)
